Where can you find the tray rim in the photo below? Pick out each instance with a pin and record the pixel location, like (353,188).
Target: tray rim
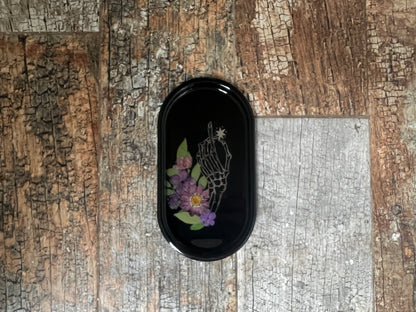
(181,90)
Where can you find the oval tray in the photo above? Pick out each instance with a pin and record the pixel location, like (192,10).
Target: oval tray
(206,169)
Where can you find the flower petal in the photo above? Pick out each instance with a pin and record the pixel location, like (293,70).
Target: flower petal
(205,194)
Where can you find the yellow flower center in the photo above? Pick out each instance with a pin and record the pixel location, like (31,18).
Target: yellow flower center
(196,200)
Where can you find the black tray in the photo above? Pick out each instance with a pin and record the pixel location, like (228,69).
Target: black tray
(206,169)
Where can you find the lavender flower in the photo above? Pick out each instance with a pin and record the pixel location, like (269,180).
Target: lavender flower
(179,178)
(208,218)
(174,200)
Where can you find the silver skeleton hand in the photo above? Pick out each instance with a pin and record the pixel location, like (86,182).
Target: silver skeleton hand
(215,170)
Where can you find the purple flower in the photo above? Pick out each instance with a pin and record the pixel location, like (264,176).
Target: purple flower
(194,199)
(179,178)
(183,163)
(208,218)
(174,200)
(181,181)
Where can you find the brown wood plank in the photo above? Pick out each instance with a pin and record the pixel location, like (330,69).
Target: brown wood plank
(302,57)
(148,48)
(48,174)
(392,94)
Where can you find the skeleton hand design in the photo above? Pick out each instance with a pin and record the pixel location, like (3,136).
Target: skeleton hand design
(212,168)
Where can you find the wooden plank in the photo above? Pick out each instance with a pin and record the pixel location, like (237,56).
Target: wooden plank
(310,248)
(49,16)
(48,174)
(392,93)
(302,57)
(148,48)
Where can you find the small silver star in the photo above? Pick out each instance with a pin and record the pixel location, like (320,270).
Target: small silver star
(221,133)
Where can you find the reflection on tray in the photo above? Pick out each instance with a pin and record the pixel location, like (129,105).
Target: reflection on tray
(206,242)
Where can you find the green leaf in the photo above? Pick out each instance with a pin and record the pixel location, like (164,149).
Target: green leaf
(182,150)
(167,184)
(185,217)
(169,192)
(196,172)
(172,171)
(203,182)
(197,226)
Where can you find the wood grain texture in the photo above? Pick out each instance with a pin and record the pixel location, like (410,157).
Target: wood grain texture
(48,174)
(392,94)
(148,48)
(310,248)
(302,57)
(291,58)
(49,16)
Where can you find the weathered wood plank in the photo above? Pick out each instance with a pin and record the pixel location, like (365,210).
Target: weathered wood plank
(48,174)
(392,94)
(148,48)
(302,57)
(49,16)
(311,247)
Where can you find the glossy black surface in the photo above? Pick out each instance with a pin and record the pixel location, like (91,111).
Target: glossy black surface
(187,113)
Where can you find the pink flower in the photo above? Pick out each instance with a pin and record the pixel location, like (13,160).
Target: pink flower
(194,200)
(183,163)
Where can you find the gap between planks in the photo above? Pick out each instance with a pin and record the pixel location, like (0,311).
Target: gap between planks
(314,116)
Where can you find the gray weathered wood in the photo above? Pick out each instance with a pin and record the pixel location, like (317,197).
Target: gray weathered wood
(311,246)
(148,48)
(49,16)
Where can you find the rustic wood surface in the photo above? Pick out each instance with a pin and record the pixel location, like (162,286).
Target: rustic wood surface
(48,169)
(142,60)
(49,16)
(71,113)
(302,57)
(392,95)
(311,247)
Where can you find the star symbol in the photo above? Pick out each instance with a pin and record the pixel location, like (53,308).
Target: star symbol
(221,133)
